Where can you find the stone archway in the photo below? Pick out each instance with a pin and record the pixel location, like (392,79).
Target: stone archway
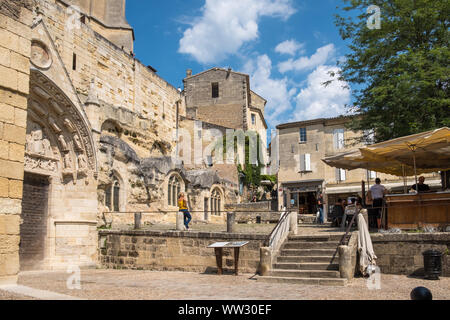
(59,149)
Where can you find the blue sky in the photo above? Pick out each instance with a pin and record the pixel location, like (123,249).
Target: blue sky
(287,46)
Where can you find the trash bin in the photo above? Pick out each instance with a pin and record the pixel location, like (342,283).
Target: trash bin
(258,219)
(432,264)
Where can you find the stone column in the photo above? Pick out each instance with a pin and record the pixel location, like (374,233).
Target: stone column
(15,50)
(230,221)
(137,220)
(265,261)
(180,221)
(293,223)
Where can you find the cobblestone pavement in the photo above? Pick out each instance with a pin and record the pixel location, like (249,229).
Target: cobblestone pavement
(151,285)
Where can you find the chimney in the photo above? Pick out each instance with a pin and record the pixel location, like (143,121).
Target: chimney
(188,73)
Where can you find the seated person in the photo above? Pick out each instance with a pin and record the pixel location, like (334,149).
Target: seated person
(350,210)
(421,186)
(337,213)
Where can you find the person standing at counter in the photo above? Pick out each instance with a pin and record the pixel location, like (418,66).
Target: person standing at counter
(421,186)
(377,193)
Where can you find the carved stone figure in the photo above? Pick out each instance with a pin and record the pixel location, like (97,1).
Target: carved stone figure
(68,162)
(82,162)
(36,142)
(77,142)
(69,125)
(63,143)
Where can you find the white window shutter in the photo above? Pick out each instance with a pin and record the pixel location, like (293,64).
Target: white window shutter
(307,162)
(338,174)
(335,139)
(302,162)
(343,175)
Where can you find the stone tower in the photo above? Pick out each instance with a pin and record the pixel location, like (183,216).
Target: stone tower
(107,17)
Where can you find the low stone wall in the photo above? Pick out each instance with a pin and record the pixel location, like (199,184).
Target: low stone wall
(175,251)
(248,212)
(402,253)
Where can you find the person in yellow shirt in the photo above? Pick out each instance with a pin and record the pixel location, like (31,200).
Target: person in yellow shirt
(182,206)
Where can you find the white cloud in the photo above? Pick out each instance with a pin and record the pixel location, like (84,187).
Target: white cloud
(318,101)
(275,91)
(320,57)
(290,47)
(226,25)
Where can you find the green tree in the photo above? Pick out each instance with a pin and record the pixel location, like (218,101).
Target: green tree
(400,72)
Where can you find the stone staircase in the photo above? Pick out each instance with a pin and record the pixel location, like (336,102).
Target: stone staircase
(307,260)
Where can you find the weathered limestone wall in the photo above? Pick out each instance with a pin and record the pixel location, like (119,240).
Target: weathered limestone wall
(230,108)
(402,253)
(248,212)
(15,43)
(175,251)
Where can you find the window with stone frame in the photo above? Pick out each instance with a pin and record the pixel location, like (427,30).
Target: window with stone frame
(173,190)
(216,202)
(112,195)
(215,89)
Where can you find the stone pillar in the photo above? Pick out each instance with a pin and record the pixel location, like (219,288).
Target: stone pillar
(137,220)
(265,261)
(346,269)
(230,221)
(15,50)
(180,221)
(293,223)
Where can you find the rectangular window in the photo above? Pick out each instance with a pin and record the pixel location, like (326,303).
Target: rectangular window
(338,138)
(215,89)
(340,175)
(305,162)
(253,118)
(302,135)
(371,175)
(74,62)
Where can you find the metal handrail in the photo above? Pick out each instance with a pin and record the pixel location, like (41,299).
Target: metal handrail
(283,217)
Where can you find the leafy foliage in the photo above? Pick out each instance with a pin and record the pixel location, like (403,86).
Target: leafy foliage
(400,72)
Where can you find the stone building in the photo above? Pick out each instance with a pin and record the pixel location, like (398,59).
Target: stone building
(87,132)
(302,173)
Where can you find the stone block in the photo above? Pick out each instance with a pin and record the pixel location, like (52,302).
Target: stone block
(16,152)
(15,189)
(8,78)
(20,63)
(23,83)
(20,117)
(5,57)
(11,169)
(13,99)
(9,224)
(13,133)
(4,150)
(9,40)
(6,113)
(9,263)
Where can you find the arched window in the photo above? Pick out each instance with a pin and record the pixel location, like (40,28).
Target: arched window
(112,195)
(173,190)
(216,202)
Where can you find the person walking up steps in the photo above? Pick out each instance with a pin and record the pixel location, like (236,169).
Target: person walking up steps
(182,206)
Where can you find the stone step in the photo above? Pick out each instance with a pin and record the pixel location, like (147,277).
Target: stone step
(333,237)
(304,273)
(311,245)
(306,259)
(307,252)
(306,266)
(304,281)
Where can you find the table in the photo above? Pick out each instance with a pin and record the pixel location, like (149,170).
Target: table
(218,250)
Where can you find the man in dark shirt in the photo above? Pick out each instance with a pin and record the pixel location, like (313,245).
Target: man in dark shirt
(421,186)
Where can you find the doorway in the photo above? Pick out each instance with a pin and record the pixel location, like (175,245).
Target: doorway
(33,230)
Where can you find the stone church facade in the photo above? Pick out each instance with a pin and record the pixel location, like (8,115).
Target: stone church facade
(88,133)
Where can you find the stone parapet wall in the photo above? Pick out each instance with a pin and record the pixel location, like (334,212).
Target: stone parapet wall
(175,251)
(248,212)
(402,253)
